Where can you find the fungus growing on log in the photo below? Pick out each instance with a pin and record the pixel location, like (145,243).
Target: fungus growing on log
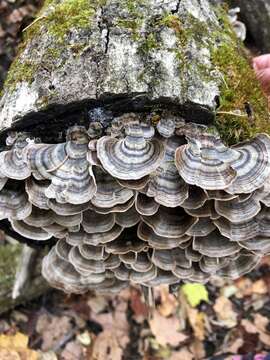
(127,167)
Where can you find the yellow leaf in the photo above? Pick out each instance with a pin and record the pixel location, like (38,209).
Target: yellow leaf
(15,347)
(195,293)
(18,340)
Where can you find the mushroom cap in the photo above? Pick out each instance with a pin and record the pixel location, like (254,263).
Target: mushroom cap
(131,158)
(167,187)
(238,231)
(238,211)
(242,265)
(36,192)
(67,209)
(12,162)
(203,227)
(166,127)
(146,233)
(215,245)
(170,222)
(28,231)
(146,205)
(14,204)
(208,210)
(109,192)
(97,223)
(127,219)
(39,217)
(196,198)
(66,166)
(200,163)
(252,165)
(94,239)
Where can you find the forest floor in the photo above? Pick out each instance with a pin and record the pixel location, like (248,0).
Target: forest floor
(196,323)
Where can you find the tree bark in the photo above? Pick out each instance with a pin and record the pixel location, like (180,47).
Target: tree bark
(125,55)
(10,258)
(256,15)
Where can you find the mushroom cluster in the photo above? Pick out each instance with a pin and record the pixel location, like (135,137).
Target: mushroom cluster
(144,199)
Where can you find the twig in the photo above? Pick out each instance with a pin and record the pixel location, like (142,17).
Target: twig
(35,21)
(231,113)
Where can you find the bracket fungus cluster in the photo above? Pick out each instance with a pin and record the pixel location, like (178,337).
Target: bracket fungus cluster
(141,201)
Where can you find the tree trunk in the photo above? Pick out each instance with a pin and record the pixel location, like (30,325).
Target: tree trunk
(256,15)
(126,56)
(11,254)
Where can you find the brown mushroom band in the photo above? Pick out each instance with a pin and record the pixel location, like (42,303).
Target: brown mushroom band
(139,202)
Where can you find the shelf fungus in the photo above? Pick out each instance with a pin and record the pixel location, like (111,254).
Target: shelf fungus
(138,200)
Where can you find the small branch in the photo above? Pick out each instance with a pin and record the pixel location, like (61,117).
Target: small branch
(23,271)
(34,22)
(230,113)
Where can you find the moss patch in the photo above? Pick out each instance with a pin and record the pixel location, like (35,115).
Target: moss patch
(8,255)
(239,87)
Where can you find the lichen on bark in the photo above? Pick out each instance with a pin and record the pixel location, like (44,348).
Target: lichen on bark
(182,53)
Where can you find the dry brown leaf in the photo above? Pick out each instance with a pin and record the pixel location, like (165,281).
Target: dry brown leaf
(15,347)
(196,320)
(235,346)
(111,342)
(168,302)
(244,286)
(261,322)
(197,349)
(106,347)
(259,287)
(97,303)
(138,307)
(166,330)
(73,350)
(249,326)
(183,354)
(227,317)
(52,329)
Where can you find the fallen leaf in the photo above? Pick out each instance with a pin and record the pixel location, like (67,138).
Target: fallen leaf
(197,349)
(97,304)
(244,286)
(261,323)
(183,354)
(139,308)
(168,302)
(234,346)
(106,347)
(15,347)
(111,342)
(196,320)
(52,329)
(259,287)
(249,326)
(73,350)
(225,314)
(195,293)
(166,330)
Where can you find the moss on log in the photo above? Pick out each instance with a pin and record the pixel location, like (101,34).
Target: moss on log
(10,255)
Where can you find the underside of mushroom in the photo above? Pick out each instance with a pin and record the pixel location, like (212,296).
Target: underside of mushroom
(138,200)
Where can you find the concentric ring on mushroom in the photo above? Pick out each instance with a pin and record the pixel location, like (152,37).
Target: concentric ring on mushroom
(135,201)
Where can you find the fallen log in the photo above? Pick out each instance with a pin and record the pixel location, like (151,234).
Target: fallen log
(83,60)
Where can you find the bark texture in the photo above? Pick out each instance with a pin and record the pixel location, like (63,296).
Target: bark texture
(127,55)
(256,16)
(10,257)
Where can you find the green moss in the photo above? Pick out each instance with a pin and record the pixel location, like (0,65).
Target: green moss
(8,254)
(239,86)
(19,72)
